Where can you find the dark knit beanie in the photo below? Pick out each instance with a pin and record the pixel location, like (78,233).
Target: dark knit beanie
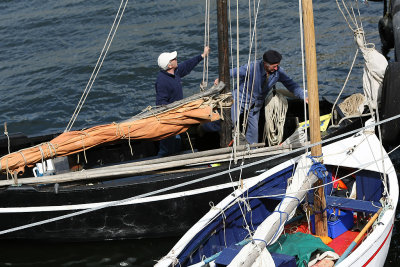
(272,57)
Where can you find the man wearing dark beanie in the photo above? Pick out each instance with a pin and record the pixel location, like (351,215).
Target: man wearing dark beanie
(262,75)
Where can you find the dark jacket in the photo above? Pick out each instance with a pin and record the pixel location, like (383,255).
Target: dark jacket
(168,86)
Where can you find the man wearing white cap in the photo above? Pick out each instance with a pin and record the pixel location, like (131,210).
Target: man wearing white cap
(169,89)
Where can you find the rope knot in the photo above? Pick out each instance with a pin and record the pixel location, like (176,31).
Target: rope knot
(317,168)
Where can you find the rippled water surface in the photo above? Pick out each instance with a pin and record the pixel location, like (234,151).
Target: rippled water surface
(49,48)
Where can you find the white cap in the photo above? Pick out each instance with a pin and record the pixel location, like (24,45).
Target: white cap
(165,58)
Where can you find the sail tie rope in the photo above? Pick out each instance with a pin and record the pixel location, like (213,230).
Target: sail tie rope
(190,142)
(84,149)
(129,139)
(42,155)
(7,169)
(51,150)
(8,137)
(15,178)
(99,64)
(23,157)
(280,216)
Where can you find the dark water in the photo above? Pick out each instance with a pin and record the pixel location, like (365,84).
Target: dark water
(48,50)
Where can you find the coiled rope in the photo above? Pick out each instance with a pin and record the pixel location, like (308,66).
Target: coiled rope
(275,116)
(353,105)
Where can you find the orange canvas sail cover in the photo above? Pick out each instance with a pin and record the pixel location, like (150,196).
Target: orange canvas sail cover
(155,127)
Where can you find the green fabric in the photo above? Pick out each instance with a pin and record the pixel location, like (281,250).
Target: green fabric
(299,245)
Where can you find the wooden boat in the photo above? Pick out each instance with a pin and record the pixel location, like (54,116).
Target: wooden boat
(233,228)
(108,173)
(245,229)
(118,195)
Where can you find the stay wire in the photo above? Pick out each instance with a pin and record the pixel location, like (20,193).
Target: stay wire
(99,64)
(246,82)
(204,83)
(302,61)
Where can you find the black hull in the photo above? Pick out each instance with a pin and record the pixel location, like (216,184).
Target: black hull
(167,217)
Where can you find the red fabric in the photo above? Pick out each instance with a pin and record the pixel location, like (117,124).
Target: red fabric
(301,227)
(342,242)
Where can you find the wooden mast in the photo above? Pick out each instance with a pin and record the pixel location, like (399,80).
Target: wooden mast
(313,110)
(223,69)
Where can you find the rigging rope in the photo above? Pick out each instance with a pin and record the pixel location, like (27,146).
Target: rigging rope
(204,83)
(99,64)
(373,78)
(246,82)
(344,85)
(303,67)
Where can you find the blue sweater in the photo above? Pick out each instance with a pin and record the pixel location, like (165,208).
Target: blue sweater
(259,91)
(169,87)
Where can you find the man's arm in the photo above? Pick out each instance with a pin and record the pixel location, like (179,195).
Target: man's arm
(242,71)
(187,66)
(291,85)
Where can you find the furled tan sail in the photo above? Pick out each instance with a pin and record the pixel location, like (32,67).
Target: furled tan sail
(154,127)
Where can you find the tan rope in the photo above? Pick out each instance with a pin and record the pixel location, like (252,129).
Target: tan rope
(352,105)
(190,142)
(7,169)
(15,178)
(23,157)
(129,139)
(84,149)
(55,150)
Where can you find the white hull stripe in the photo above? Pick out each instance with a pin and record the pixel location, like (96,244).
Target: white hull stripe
(132,202)
(380,247)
